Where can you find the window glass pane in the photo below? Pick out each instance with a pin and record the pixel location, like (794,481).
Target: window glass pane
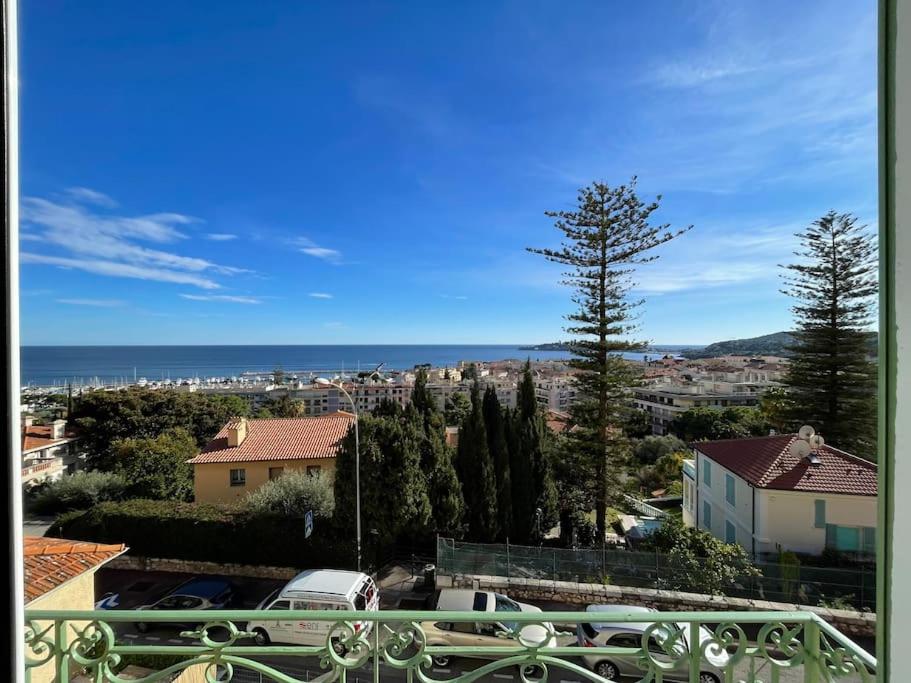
(869,540)
(847,538)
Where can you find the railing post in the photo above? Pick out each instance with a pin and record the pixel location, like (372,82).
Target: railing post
(811,648)
(695,651)
(61,660)
(507,561)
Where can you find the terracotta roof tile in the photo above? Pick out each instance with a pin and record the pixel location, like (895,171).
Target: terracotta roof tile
(296,438)
(767,462)
(51,562)
(39,436)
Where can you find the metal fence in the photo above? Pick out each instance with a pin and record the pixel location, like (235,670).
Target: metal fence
(833,587)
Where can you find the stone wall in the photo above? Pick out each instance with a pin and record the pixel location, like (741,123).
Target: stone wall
(157,564)
(858,624)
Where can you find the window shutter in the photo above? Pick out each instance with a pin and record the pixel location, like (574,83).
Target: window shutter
(820,513)
(830,536)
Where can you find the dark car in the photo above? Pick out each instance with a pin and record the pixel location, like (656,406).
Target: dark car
(195,594)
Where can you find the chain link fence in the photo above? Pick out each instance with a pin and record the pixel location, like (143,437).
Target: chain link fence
(792,583)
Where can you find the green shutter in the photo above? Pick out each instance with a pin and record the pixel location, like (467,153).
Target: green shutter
(707,472)
(831,541)
(729,489)
(820,510)
(730,532)
(707,514)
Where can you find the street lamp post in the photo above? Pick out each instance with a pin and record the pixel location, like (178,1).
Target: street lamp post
(357,461)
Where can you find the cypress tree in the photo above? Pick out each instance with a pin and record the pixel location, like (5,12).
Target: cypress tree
(831,379)
(420,397)
(499,453)
(475,470)
(604,237)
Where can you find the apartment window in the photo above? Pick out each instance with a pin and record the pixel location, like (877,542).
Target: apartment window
(819,512)
(730,532)
(275,472)
(313,470)
(706,472)
(729,489)
(707,514)
(238,477)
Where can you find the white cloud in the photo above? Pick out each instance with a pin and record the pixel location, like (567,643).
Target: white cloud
(226,298)
(89,196)
(114,269)
(100,303)
(320,295)
(309,247)
(111,244)
(220,236)
(456,297)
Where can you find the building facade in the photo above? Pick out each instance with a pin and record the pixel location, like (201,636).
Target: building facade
(755,492)
(246,454)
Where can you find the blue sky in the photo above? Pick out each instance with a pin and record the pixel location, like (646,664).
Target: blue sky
(367,172)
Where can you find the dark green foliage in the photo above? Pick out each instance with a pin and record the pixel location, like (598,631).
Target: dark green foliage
(699,562)
(457,408)
(499,454)
(531,446)
(604,237)
(293,494)
(157,467)
(709,424)
(105,417)
(470,372)
(444,490)
(283,406)
(421,399)
(79,492)
(226,534)
(475,469)
(394,497)
(651,448)
(638,424)
(831,379)
(775,344)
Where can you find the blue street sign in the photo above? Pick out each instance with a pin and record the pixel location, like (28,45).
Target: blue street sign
(308,524)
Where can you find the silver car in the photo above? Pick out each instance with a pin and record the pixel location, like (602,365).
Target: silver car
(617,634)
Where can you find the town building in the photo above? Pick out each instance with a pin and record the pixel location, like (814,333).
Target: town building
(247,453)
(758,493)
(48,451)
(664,400)
(60,575)
(556,392)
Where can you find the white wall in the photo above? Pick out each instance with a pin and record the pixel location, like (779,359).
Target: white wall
(787,518)
(740,514)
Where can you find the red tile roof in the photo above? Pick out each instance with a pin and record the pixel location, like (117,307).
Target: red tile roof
(39,436)
(292,438)
(51,562)
(766,462)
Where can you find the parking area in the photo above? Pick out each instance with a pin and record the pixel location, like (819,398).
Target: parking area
(134,588)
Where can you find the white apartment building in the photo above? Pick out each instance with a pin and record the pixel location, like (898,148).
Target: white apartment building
(755,492)
(556,393)
(665,400)
(48,451)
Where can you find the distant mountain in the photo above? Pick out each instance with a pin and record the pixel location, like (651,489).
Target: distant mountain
(774,344)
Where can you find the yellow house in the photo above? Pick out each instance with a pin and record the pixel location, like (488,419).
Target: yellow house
(246,454)
(60,575)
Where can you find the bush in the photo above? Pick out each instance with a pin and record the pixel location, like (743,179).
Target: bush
(212,533)
(652,448)
(79,492)
(293,494)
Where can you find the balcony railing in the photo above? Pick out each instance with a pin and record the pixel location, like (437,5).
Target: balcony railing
(747,647)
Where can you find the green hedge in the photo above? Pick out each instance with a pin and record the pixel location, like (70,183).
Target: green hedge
(212,533)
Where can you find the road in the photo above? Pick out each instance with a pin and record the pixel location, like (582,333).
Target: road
(135,588)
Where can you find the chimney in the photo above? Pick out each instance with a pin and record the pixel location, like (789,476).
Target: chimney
(237,431)
(27,421)
(58,427)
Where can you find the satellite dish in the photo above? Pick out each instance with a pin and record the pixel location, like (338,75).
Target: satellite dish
(806,432)
(800,449)
(816,441)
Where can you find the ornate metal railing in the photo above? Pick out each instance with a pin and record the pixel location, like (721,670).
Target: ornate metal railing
(694,647)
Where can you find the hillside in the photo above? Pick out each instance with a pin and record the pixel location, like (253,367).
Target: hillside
(774,344)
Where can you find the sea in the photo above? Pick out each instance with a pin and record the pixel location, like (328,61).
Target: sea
(78,365)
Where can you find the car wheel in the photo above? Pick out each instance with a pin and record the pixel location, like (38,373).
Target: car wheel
(260,637)
(706,677)
(532,672)
(607,670)
(441,660)
(142,627)
(338,647)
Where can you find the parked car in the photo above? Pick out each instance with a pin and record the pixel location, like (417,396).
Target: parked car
(196,594)
(315,589)
(616,634)
(497,631)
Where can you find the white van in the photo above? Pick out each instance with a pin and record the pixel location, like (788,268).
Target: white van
(315,589)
